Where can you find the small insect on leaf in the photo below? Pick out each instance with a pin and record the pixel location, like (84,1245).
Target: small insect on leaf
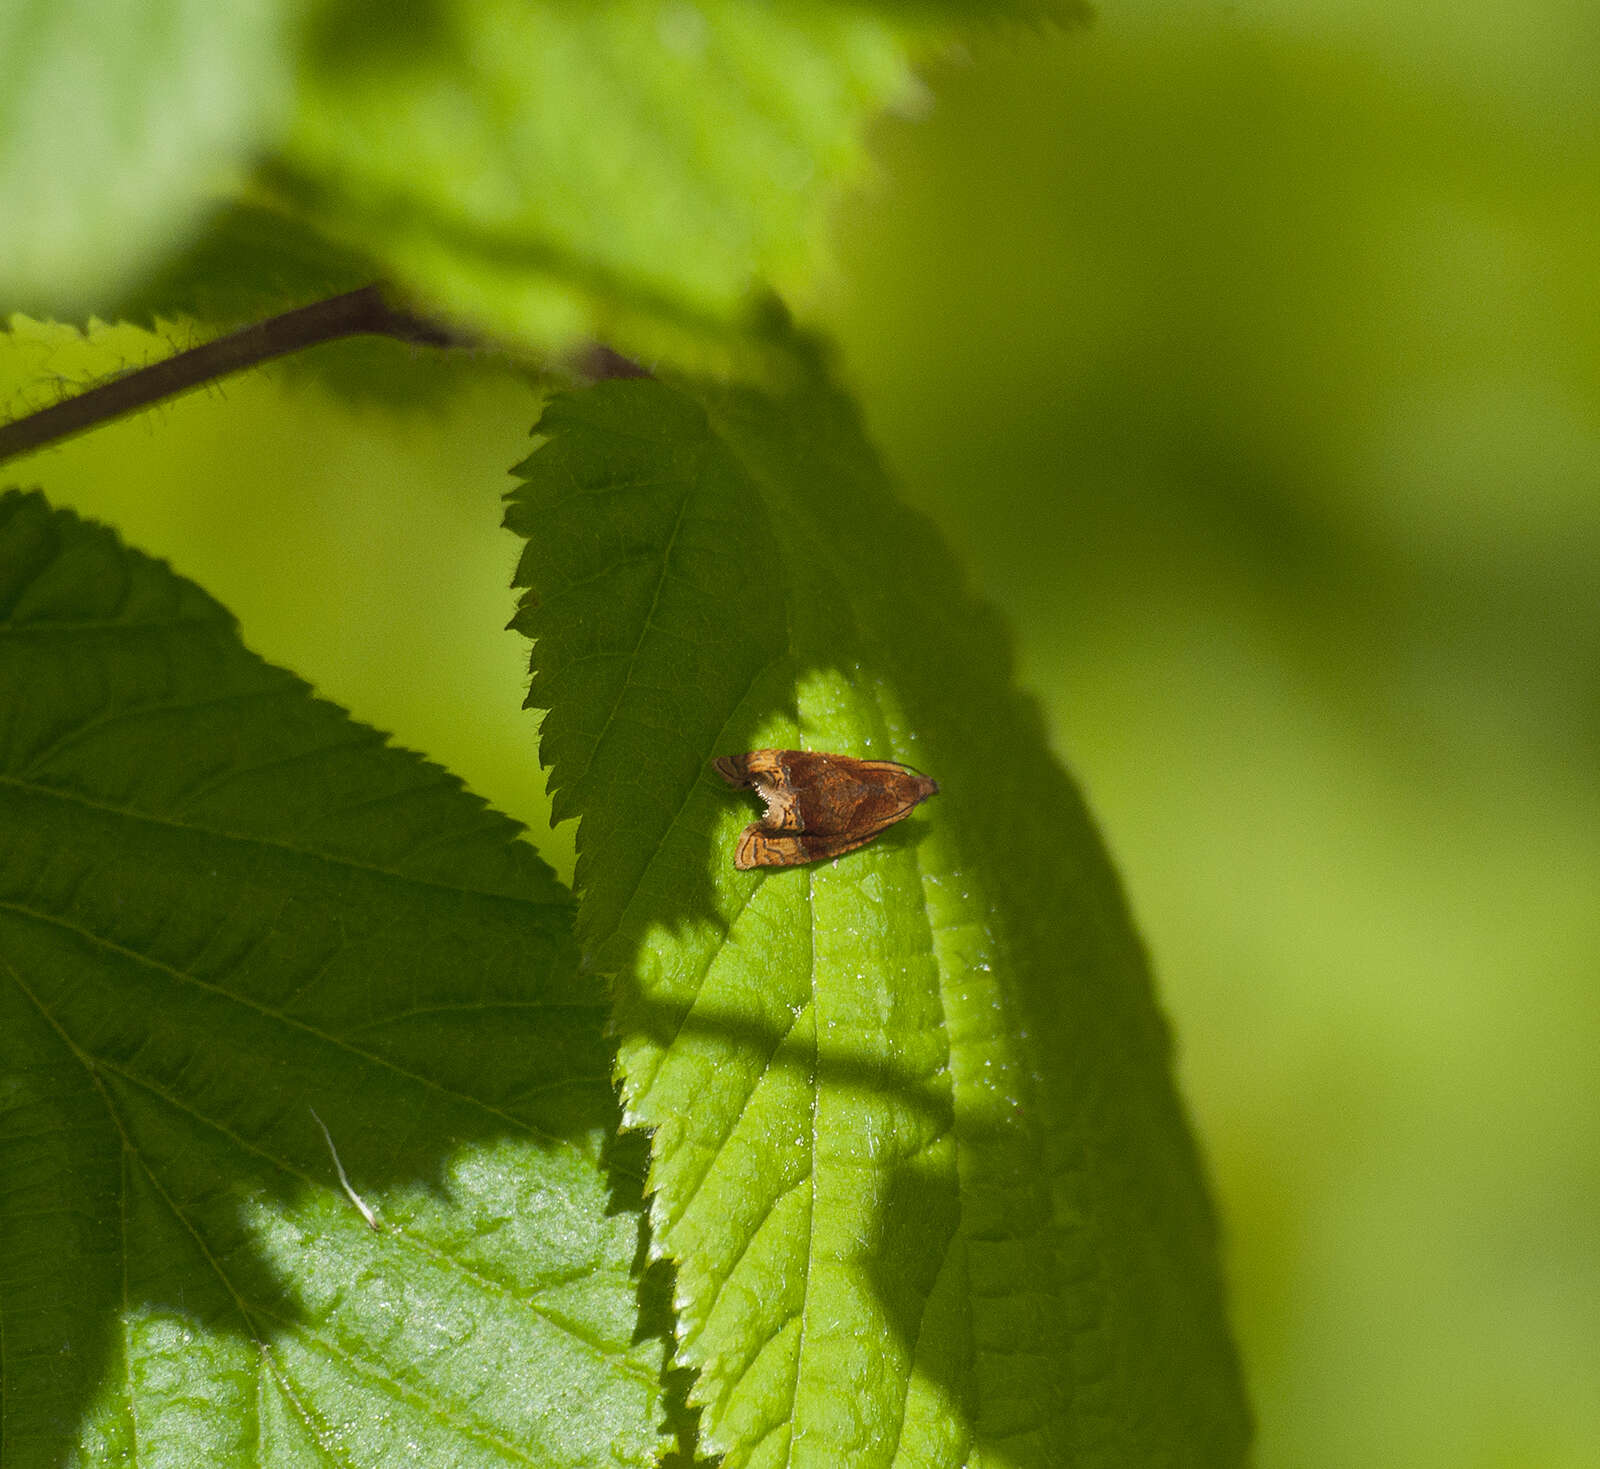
(818,805)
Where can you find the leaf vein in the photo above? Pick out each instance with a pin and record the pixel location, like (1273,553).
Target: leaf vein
(811,1212)
(645,628)
(146,818)
(76,733)
(338,1043)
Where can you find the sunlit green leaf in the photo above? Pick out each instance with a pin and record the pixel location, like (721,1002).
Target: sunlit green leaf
(301,1096)
(117,121)
(253,262)
(249,262)
(541,172)
(916,1148)
(625,169)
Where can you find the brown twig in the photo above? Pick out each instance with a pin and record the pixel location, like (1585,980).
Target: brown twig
(356,313)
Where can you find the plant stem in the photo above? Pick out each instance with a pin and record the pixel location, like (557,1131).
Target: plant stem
(356,313)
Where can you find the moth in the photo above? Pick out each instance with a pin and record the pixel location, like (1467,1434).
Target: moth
(818,805)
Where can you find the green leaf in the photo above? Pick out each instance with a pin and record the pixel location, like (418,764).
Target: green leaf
(248,952)
(116,121)
(626,170)
(249,262)
(917,1152)
(253,262)
(621,169)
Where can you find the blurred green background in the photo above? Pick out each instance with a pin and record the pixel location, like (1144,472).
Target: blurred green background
(1251,356)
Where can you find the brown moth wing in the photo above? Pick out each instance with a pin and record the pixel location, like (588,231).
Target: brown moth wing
(894,790)
(807,790)
(763,772)
(840,794)
(761,848)
(818,805)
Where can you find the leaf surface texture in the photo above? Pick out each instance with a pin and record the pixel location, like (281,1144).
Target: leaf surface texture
(244,945)
(916,1149)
